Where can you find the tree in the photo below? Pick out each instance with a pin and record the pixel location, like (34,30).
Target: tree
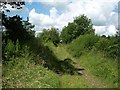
(84,25)
(54,36)
(13,3)
(80,26)
(68,33)
(16,28)
(44,36)
(17,4)
(29,27)
(50,35)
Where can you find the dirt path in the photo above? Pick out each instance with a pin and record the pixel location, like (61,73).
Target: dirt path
(85,80)
(93,81)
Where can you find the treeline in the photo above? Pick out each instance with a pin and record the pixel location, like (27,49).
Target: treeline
(16,33)
(82,30)
(19,41)
(79,33)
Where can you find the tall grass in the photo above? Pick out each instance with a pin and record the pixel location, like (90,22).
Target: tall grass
(23,73)
(95,59)
(104,68)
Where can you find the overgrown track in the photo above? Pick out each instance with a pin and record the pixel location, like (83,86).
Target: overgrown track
(85,79)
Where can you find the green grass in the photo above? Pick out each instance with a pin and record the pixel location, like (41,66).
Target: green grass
(74,81)
(101,71)
(23,73)
(104,68)
(94,61)
(59,51)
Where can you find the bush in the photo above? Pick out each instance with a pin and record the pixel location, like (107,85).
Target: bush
(82,44)
(49,35)
(14,50)
(109,46)
(102,44)
(8,50)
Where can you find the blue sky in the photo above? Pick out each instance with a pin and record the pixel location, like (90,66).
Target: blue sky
(40,8)
(54,13)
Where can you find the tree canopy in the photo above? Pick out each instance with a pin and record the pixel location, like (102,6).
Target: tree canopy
(16,28)
(80,26)
(50,35)
(13,3)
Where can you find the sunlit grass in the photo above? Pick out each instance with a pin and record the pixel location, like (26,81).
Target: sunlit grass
(104,68)
(21,73)
(74,81)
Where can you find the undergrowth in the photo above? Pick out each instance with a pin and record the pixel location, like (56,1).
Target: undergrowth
(23,73)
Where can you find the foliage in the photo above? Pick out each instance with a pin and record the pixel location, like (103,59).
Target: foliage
(102,44)
(8,50)
(21,60)
(109,46)
(82,44)
(33,59)
(54,36)
(29,27)
(84,25)
(17,29)
(16,4)
(68,33)
(97,68)
(103,67)
(23,73)
(14,50)
(81,25)
(50,35)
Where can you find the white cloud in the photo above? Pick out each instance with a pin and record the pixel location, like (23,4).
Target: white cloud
(40,20)
(111,30)
(100,12)
(53,13)
(105,30)
(113,19)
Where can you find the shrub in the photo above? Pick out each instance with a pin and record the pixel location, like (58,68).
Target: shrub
(102,44)
(82,44)
(109,46)
(9,50)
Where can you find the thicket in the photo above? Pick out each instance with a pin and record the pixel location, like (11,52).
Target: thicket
(19,42)
(109,46)
(15,47)
(20,69)
(80,37)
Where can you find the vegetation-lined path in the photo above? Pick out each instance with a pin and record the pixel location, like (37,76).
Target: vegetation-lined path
(77,81)
(71,57)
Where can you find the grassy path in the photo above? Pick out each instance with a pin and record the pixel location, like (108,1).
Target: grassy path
(87,80)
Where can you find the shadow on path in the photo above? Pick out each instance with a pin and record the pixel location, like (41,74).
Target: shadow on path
(44,56)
